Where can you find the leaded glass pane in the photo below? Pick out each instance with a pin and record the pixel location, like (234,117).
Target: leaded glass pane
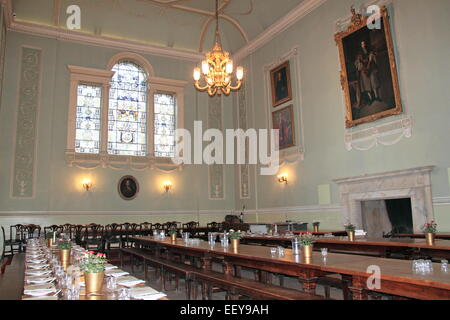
(164,112)
(87,135)
(127,114)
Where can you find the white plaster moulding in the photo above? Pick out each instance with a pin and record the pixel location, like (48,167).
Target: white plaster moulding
(108,213)
(268,34)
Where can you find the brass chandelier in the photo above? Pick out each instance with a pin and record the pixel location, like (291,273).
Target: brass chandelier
(217,69)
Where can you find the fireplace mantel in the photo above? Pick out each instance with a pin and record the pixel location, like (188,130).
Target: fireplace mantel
(412,183)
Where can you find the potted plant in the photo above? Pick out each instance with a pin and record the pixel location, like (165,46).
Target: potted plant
(430,232)
(316,226)
(235,237)
(306,241)
(350,228)
(93,266)
(173,234)
(64,246)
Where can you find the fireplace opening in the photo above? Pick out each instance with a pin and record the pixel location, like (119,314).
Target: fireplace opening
(400,215)
(382,218)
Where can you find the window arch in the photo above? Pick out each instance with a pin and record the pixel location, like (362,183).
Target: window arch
(127,110)
(123,112)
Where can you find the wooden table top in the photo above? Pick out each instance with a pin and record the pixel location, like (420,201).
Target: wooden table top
(388,242)
(392,269)
(441,235)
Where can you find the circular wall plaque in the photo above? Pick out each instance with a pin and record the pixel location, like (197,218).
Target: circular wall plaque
(128,187)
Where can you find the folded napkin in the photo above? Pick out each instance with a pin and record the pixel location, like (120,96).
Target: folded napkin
(116,273)
(39,289)
(37,265)
(38,272)
(42,298)
(142,291)
(110,267)
(151,297)
(36,260)
(129,281)
(39,279)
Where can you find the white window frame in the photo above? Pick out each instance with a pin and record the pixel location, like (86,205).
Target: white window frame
(99,77)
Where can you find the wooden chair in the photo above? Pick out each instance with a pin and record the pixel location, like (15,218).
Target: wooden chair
(77,232)
(15,241)
(146,228)
(190,225)
(67,229)
(112,236)
(93,237)
(51,229)
(4,259)
(32,231)
(157,226)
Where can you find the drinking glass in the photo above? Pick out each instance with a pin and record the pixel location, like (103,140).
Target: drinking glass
(224,240)
(162,235)
(124,294)
(280,251)
(185,236)
(155,233)
(212,237)
(295,246)
(324,252)
(73,291)
(444,266)
(273,251)
(111,284)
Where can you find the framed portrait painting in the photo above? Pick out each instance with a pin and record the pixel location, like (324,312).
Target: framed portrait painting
(368,70)
(280,79)
(283,120)
(128,187)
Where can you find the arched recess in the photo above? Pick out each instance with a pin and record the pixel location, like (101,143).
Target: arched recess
(136,58)
(208,23)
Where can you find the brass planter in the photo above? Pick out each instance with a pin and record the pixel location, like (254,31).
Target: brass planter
(64,256)
(94,282)
(50,242)
(316,228)
(307,252)
(430,238)
(351,235)
(235,244)
(173,237)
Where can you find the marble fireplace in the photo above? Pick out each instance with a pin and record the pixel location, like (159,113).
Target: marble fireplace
(362,197)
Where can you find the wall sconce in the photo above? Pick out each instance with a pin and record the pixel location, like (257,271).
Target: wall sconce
(283,178)
(167,186)
(87,184)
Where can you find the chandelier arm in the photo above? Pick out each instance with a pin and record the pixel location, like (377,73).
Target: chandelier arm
(237,86)
(199,87)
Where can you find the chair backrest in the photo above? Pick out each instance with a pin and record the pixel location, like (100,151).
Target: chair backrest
(16,232)
(157,226)
(146,227)
(212,224)
(190,225)
(135,229)
(3,244)
(93,231)
(113,229)
(51,229)
(67,228)
(32,231)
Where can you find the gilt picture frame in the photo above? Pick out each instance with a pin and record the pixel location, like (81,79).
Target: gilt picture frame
(369,76)
(284,121)
(280,80)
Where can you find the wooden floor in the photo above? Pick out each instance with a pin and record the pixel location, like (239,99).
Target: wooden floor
(11,282)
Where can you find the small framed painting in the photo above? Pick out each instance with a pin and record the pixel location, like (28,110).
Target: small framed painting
(128,187)
(283,120)
(280,79)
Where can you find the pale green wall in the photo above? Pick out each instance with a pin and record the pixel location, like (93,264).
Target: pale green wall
(421,31)
(58,186)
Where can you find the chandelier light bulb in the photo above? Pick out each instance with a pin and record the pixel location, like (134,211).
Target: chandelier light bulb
(240,73)
(197,74)
(205,67)
(229,68)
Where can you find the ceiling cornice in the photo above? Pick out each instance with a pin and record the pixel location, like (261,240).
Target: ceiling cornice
(52,32)
(122,44)
(284,23)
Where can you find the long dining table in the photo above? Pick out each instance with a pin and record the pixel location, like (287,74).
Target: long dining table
(396,276)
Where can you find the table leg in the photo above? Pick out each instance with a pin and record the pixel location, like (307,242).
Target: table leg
(358,289)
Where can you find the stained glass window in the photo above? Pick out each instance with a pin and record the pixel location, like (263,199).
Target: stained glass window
(87,135)
(164,112)
(127,114)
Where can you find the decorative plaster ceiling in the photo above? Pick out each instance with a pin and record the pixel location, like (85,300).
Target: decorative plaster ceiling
(181,28)
(171,23)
